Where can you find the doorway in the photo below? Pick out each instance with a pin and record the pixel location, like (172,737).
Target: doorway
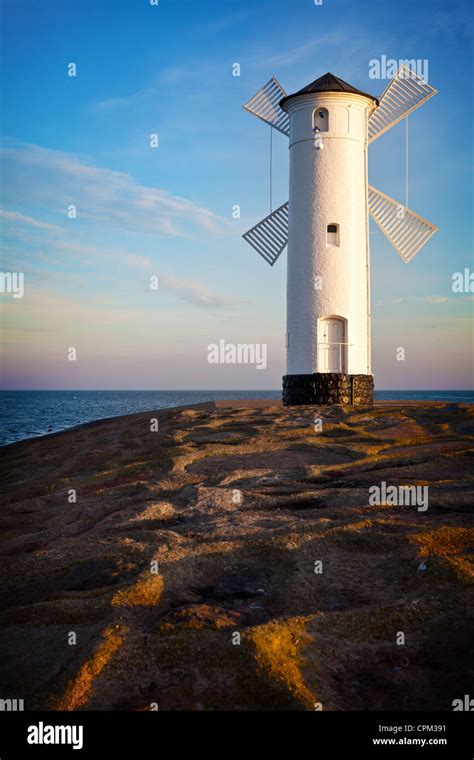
(332,345)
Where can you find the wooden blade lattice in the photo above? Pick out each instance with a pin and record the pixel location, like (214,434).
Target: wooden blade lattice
(266,105)
(405,230)
(405,92)
(270,236)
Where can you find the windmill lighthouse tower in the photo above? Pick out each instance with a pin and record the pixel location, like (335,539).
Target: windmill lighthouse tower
(329,124)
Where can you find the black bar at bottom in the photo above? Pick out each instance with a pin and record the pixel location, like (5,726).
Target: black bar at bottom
(154,734)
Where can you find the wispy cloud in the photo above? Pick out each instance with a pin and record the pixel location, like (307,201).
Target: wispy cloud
(24,219)
(434,300)
(52,180)
(332,46)
(56,238)
(160,87)
(185,289)
(197,294)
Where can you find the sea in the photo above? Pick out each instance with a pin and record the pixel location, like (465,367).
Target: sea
(28,414)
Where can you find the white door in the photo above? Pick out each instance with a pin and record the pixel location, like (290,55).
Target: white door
(331,348)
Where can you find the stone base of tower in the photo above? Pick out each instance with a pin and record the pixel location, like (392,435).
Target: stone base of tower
(328,388)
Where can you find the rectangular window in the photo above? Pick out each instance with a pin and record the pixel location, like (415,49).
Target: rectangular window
(332,234)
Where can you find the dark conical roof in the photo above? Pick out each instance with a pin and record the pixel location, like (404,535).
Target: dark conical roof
(327,83)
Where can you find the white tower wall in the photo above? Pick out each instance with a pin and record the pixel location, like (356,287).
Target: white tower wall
(328,186)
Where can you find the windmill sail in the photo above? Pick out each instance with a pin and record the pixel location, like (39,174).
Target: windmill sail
(405,230)
(405,92)
(270,236)
(266,105)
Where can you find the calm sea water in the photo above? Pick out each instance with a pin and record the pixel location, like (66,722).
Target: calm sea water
(27,414)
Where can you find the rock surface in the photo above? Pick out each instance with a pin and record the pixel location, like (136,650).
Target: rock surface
(241,505)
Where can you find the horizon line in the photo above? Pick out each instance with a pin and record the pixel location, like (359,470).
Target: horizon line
(211,390)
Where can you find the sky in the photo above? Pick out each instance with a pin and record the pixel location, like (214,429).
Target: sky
(168,211)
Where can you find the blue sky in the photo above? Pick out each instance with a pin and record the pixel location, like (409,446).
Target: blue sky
(167,69)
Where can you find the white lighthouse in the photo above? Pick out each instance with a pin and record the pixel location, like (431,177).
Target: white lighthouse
(325,224)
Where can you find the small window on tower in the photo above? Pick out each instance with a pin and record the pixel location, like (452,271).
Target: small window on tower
(333,234)
(321,119)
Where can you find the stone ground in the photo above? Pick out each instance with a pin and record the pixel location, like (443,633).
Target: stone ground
(236,503)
